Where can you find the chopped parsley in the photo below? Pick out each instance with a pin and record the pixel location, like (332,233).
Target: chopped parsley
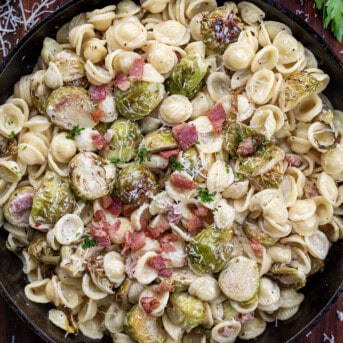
(215,209)
(175,165)
(12,135)
(240,136)
(75,131)
(143,154)
(130,135)
(239,177)
(227,167)
(205,195)
(115,160)
(87,242)
(197,142)
(167,175)
(24,147)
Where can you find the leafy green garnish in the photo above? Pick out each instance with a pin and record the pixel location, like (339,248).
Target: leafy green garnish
(175,165)
(227,169)
(143,154)
(75,131)
(332,12)
(87,242)
(115,160)
(197,142)
(12,135)
(239,177)
(205,195)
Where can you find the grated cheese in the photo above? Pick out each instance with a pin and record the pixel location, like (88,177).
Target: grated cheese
(330,339)
(340,315)
(309,334)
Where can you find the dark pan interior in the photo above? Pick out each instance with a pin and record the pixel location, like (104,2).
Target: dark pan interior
(322,290)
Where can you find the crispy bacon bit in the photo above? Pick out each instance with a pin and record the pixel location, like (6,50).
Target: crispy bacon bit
(164,286)
(244,317)
(137,69)
(226,332)
(149,304)
(98,93)
(21,203)
(311,189)
(122,82)
(174,214)
(115,206)
(105,201)
(127,209)
(166,242)
(186,135)
(169,153)
(155,232)
(245,147)
(195,224)
(99,141)
(199,211)
(294,161)
(133,241)
(158,263)
(130,268)
(256,247)
(217,116)
(182,182)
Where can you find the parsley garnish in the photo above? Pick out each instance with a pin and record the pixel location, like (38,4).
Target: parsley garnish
(167,175)
(215,209)
(12,135)
(76,131)
(197,142)
(175,165)
(130,135)
(227,169)
(115,160)
(239,177)
(87,242)
(240,136)
(205,195)
(143,153)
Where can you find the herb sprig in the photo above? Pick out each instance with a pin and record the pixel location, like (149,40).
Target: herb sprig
(75,131)
(143,154)
(175,165)
(88,242)
(205,195)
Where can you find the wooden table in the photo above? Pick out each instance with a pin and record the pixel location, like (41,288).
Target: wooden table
(12,330)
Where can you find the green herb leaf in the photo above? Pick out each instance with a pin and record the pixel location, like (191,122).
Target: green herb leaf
(205,195)
(143,154)
(76,131)
(115,160)
(227,167)
(12,135)
(239,177)
(87,242)
(175,165)
(197,142)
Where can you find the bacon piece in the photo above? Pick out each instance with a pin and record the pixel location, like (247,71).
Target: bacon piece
(102,231)
(245,147)
(158,263)
(174,214)
(311,189)
(130,268)
(22,202)
(245,317)
(182,182)
(133,241)
(127,209)
(155,232)
(226,331)
(122,82)
(99,141)
(115,206)
(137,69)
(195,224)
(149,304)
(105,201)
(98,93)
(217,116)
(164,286)
(199,211)
(186,135)
(165,242)
(169,153)
(256,247)
(294,161)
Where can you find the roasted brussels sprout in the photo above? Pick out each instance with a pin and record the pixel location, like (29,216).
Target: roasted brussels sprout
(185,310)
(139,100)
(125,141)
(136,184)
(39,91)
(181,279)
(144,328)
(159,140)
(228,311)
(52,200)
(210,250)
(287,276)
(187,76)
(317,265)
(8,147)
(251,230)
(17,209)
(220,28)
(41,250)
(70,65)
(70,106)
(190,162)
(91,176)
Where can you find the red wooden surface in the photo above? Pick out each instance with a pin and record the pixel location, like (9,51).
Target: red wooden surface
(12,330)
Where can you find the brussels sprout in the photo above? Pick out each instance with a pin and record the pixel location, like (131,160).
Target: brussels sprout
(228,311)
(185,310)
(102,127)
(136,184)
(125,141)
(287,275)
(187,76)
(17,209)
(91,176)
(251,230)
(144,328)
(139,100)
(8,147)
(50,49)
(317,265)
(272,178)
(181,279)
(159,140)
(39,91)
(70,106)
(220,28)
(210,250)
(190,162)
(70,65)
(53,200)
(40,249)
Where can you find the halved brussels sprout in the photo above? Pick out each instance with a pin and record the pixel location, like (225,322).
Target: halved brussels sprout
(287,275)
(272,178)
(220,28)
(185,310)
(8,147)
(70,65)
(187,76)
(139,100)
(144,328)
(41,250)
(70,106)
(251,230)
(228,311)
(181,279)
(159,140)
(17,209)
(136,184)
(190,162)
(125,141)
(52,200)
(91,176)
(39,91)
(210,250)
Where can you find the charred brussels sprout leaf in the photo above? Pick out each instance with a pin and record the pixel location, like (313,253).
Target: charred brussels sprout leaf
(190,162)
(125,141)
(210,250)
(70,106)
(144,328)
(8,147)
(187,76)
(52,200)
(70,65)
(136,184)
(159,140)
(186,310)
(92,177)
(251,230)
(287,275)
(139,100)
(40,249)
(220,28)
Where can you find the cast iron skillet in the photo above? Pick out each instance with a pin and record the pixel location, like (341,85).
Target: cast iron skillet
(321,291)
